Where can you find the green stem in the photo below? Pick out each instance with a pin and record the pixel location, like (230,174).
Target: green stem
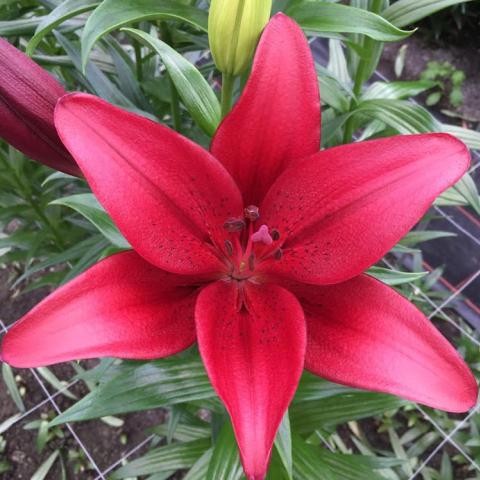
(25,191)
(138,61)
(175,99)
(367,46)
(175,106)
(228,82)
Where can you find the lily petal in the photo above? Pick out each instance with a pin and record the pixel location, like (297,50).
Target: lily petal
(277,118)
(341,210)
(121,307)
(28,95)
(363,334)
(167,195)
(254,358)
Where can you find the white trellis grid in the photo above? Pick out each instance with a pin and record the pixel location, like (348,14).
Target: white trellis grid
(438,310)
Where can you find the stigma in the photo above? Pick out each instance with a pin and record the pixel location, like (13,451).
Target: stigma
(248,244)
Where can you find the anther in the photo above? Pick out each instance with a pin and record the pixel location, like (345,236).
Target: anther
(233,225)
(252,213)
(278,254)
(275,235)
(262,235)
(229,247)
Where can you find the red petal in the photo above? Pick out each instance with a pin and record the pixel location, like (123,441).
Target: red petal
(341,210)
(122,307)
(363,334)
(277,119)
(168,196)
(28,95)
(254,358)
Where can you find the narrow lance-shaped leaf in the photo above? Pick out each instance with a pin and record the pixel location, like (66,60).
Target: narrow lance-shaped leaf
(394,277)
(194,90)
(87,205)
(143,387)
(324,17)
(113,14)
(64,11)
(408,12)
(225,462)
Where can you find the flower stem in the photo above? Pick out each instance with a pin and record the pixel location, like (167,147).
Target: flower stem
(25,191)
(228,82)
(138,60)
(175,106)
(175,99)
(368,44)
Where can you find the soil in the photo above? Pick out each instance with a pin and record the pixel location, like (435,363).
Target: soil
(103,442)
(420,52)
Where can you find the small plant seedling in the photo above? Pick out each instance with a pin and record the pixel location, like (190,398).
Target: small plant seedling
(449,81)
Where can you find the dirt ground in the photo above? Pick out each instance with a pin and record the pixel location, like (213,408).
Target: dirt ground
(420,52)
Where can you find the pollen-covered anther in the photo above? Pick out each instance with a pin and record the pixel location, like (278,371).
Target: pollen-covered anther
(275,235)
(234,225)
(278,254)
(252,213)
(262,236)
(229,247)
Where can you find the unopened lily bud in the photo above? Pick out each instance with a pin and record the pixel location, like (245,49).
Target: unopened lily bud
(234,27)
(28,95)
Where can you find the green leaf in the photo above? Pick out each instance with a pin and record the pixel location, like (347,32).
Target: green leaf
(45,467)
(467,188)
(175,456)
(397,90)
(348,467)
(400,115)
(307,463)
(309,416)
(144,386)
(313,388)
(21,26)
(394,277)
(283,444)
(194,90)
(87,205)
(52,379)
(200,467)
(113,14)
(12,386)
(322,17)
(408,12)
(470,137)
(419,236)
(225,462)
(66,10)
(433,99)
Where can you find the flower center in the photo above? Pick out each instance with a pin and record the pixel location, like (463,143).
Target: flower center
(249,243)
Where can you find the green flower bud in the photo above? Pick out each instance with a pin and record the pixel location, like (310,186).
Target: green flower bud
(234,27)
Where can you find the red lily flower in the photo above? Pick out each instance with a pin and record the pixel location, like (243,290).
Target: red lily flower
(28,95)
(256,250)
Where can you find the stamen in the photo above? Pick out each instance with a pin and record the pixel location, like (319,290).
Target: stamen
(233,225)
(229,247)
(252,213)
(278,254)
(275,235)
(262,235)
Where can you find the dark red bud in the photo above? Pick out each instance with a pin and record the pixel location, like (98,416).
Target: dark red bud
(28,95)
